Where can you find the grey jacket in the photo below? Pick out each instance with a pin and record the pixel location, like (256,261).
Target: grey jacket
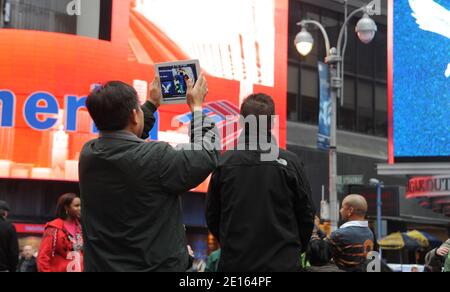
(130,193)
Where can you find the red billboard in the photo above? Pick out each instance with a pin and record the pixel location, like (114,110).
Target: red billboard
(45,77)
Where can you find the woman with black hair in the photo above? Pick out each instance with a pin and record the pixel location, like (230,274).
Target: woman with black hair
(320,255)
(62,245)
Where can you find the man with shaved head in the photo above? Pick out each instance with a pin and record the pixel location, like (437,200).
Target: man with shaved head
(27,263)
(354,240)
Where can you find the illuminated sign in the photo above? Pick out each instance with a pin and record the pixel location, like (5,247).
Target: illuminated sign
(435,186)
(234,39)
(42,104)
(45,77)
(419,81)
(37,229)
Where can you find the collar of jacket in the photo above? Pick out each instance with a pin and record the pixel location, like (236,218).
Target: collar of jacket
(120,135)
(253,141)
(363,224)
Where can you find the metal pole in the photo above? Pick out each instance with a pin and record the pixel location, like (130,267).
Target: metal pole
(334,215)
(334,61)
(379,210)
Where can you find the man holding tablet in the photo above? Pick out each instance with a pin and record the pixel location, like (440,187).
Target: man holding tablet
(130,189)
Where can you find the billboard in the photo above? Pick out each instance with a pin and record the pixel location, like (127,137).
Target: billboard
(46,76)
(419,80)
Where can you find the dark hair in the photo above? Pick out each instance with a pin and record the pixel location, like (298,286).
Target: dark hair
(111,105)
(64,202)
(2,213)
(319,253)
(258,105)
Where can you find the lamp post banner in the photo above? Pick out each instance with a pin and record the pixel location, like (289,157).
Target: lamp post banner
(323,137)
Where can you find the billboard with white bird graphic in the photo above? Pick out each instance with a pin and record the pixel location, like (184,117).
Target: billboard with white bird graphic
(419,82)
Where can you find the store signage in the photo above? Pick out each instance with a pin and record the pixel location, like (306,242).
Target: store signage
(433,186)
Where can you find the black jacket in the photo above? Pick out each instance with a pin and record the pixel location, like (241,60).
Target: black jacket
(27,266)
(328,268)
(9,246)
(260,212)
(131,211)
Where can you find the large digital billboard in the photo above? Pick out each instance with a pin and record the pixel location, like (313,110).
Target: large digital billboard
(419,82)
(46,76)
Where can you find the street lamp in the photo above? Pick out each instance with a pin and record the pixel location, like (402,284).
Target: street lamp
(304,42)
(380,186)
(365,29)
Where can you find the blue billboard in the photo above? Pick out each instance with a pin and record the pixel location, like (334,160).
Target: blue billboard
(421,80)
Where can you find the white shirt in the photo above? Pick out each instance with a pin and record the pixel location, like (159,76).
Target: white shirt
(363,224)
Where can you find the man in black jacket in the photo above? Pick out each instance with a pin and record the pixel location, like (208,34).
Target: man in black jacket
(27,262)
(260,209)
(9,246)
(130,189)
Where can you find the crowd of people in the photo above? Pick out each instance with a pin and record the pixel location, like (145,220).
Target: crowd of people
(129,215)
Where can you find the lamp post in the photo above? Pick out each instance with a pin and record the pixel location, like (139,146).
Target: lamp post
(380,186)
(365,29)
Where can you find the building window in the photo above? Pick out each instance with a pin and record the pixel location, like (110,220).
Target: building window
(381,110)
(293,87)
(365,105)
(93,21)
(365,108)
(347,113)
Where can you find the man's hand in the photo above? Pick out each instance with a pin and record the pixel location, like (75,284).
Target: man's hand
(442,252)
(155,95)
(196,94)
(191,251)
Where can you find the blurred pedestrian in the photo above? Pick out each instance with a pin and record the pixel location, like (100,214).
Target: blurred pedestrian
(319,256)
(212,265)
(318,231)
(9,245)
(438,259)
(61,248)
(27,262)
(354,240)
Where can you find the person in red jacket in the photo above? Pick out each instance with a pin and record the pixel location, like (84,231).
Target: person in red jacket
(61,248)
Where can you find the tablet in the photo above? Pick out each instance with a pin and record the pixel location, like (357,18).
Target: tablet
(173,77)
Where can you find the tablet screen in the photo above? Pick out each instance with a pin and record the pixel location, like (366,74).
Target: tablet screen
(174,77)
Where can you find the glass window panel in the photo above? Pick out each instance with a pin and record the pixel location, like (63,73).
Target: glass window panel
(330,22)
(310,110)
(365,107)
(349,93)
(292,103)
(381,53)
(293,79)
(294,17)
(381,97)
(365,59)
(310,83)
(346,116)
(381,124)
